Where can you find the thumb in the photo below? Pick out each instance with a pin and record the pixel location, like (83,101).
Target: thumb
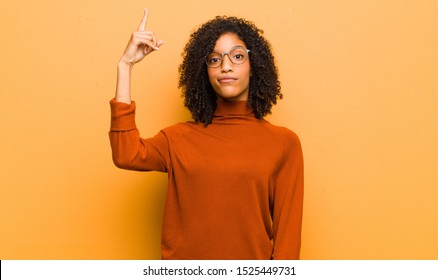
(148,49)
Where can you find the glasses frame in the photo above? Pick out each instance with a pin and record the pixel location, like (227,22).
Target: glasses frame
(228,54)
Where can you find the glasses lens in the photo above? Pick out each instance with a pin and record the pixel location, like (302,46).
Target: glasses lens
(214,59)
(238,55)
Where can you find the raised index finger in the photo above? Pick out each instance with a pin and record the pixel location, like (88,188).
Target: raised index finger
(144,20)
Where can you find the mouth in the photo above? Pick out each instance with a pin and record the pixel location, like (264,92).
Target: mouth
(226,79)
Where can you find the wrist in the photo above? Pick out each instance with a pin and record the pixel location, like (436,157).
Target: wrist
(123,65)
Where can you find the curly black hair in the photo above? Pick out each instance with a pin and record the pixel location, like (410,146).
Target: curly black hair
(199,96)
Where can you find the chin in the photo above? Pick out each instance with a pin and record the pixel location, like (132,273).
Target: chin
(231,96)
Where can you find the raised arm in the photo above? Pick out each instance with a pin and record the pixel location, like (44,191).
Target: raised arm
(129,151)
(141,43)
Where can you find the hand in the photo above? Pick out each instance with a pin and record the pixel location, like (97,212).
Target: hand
(141,43)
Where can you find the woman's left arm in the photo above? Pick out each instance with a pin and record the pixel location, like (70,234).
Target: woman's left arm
(288,203)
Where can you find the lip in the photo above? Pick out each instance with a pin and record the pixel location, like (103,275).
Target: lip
(226,79)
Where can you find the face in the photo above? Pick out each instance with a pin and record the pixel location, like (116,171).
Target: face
(230,81)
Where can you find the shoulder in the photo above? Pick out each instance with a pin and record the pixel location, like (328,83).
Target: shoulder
(180,129)
(289,143)
(282,133)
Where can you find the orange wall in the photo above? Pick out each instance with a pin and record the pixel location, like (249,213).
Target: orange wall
(360,81)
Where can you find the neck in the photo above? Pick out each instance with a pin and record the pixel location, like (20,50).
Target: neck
(225,108)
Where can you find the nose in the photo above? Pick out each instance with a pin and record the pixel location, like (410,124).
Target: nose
(227,64)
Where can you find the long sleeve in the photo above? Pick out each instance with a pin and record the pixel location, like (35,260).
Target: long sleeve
(288,204)
(235,187)
(129,150)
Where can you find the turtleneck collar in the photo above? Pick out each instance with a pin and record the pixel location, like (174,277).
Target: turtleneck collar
(233,108)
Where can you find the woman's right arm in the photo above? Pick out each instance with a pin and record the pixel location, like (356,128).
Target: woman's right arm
(140,45)
(129,151)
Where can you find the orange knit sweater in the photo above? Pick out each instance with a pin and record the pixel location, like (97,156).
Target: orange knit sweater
(235,187)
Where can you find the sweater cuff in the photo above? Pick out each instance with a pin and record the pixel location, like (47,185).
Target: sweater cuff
(122,116)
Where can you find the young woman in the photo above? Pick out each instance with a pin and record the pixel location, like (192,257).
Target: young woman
(235,181)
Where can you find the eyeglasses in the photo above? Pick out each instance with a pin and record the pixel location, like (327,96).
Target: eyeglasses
(237,55)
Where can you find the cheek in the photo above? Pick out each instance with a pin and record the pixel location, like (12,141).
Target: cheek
(211,75)
(247,74)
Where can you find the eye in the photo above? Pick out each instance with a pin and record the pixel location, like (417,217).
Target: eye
(214,58)
(239,56)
